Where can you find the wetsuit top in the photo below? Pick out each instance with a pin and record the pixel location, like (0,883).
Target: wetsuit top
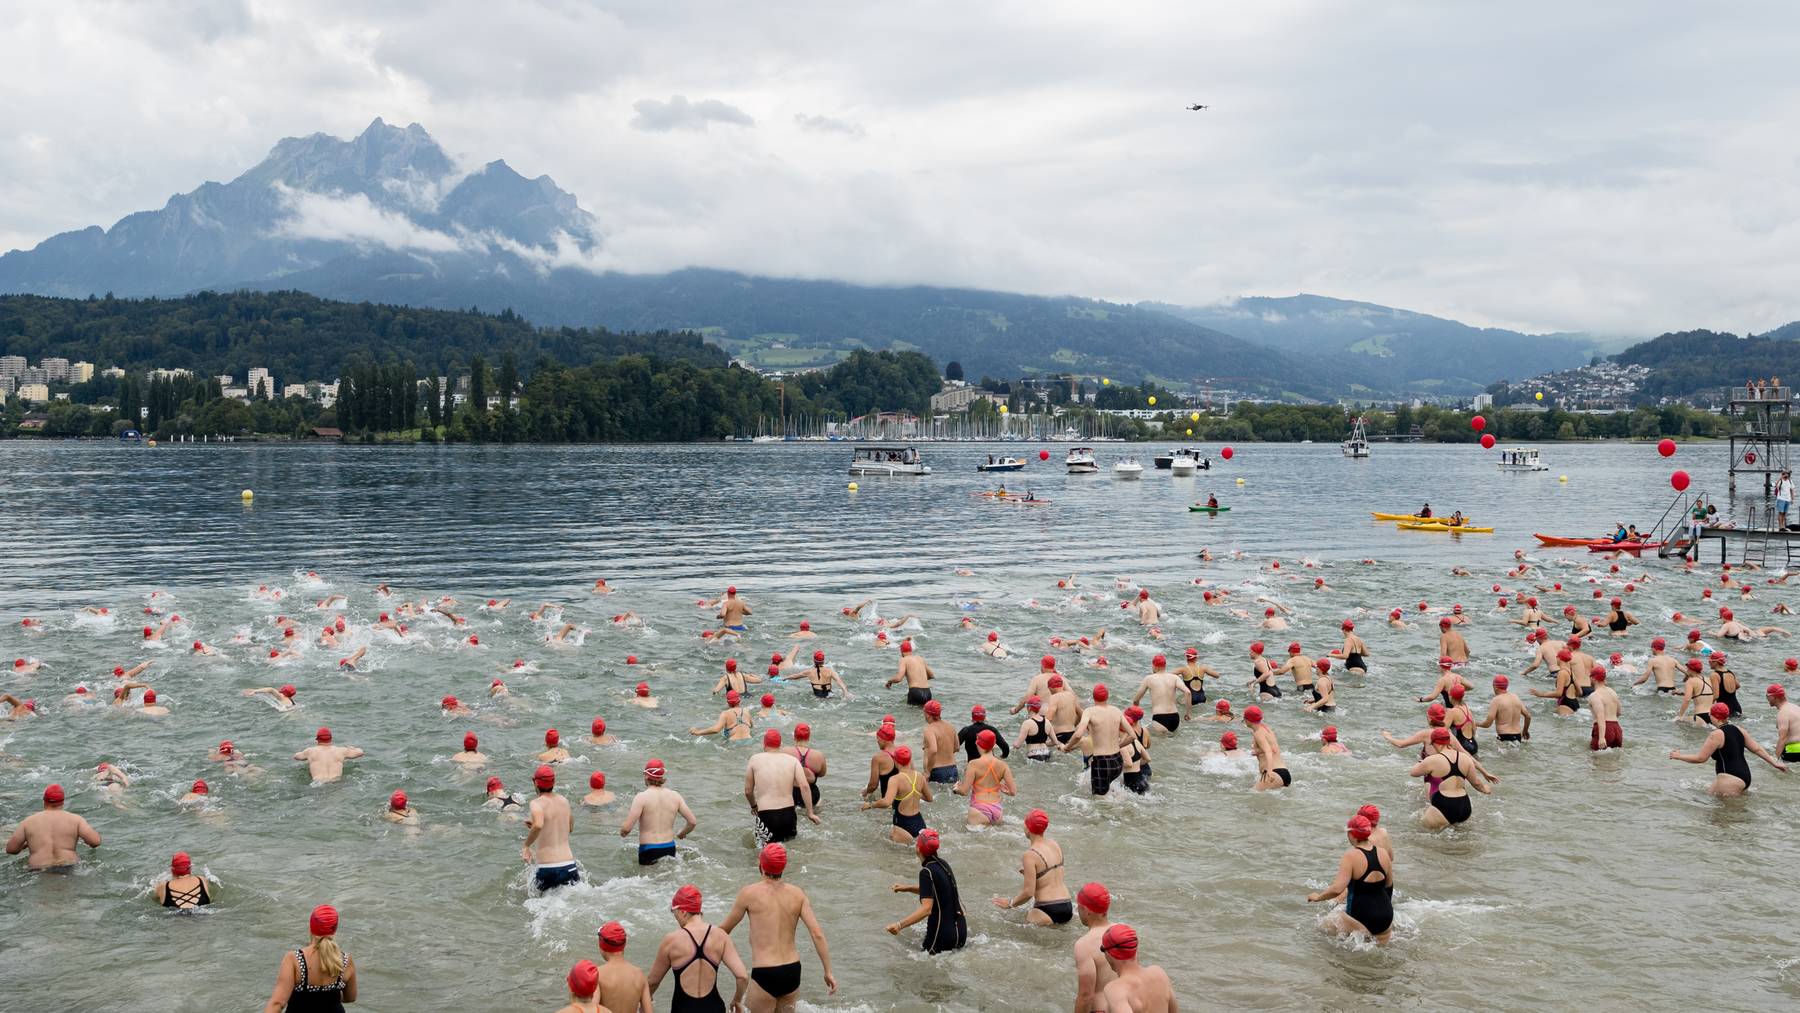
(967,735)
(945,928)
(1042,735)
(194,896)
(698,956)
(1729,757)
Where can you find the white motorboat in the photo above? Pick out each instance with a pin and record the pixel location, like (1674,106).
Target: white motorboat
(1358,443)
(1081,461)
(1184,465)
(1520,459)
(889,461)
(1002,463)
(1128,467)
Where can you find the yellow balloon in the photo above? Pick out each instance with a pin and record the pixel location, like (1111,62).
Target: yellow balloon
(1193,417)
(1190,432)
(1540,395)
(1104,381)
(1153,399)
(1003,409)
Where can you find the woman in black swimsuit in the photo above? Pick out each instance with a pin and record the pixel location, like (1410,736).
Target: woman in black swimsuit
(693,954)
(1725,685)
(1725,747)
(1041,876)
(1365,873)
(183,890)
(318,977)
(1262,673)
(1035,732)
(1448,774)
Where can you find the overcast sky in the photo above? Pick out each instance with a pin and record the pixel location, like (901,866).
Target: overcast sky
(1624,168)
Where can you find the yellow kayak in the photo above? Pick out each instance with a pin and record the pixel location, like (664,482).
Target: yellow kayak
(1439,526)
(1408,517)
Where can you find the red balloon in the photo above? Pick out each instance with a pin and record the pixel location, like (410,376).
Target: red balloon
(1478,423)
(1225,453)
(1666,448)
(1043,455)
(1487,441)
(1679,480)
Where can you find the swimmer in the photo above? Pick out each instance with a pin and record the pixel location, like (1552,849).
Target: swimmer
(182,891)
(1107,726)
(1329,744)
(110,779)
(1221,713)
(992,647)
(1034,733)
(497,688)
(1734,630)
(1395,622)
(1324,689)
(546,846)
(1507,714)
(767,711)
(324,760)
(1040,683)
(18,708)
(628,620)
(49,837)
(1042,868)
(1136,753)
(1725,746)
(1448,773)
(1451,643)
(554,750)
(1166,691)
(597,795)
(455,620)
(1696,695)
(652,815)
(1603,707)
(1263,743)
(940,902)
(901,790)
(1063,709)
(471,755)
(196,793)
(1353,651)
(775,910)
(1660,666)
(602,587)
(1228,746)
(1618,621)
(735,719)
(547,610)
(694,952)
(1193,675)
(1724,683)
(354,658)
(773,778)
(1092,971)
(855,611)
(1787,723)
(1448,679)
(641,697)
(1531,616)
(452,707)
(332,601)
(915,673)
(398,811)
(227,753)
(823,678)
(1262,674)
(1271,621)
(498,797)
(1365,879)
(734,681)
(940,745)
(986,779)
(26,666)
(732,612)
(598,735)
(1149,613)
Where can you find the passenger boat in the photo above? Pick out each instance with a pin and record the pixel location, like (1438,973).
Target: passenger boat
(1128,467)
(889,461)
(1002,464)
(1358,443)
(1081,461)
(1520,459)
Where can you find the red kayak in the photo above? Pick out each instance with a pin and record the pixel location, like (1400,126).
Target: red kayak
(1553,540)
(1622,546)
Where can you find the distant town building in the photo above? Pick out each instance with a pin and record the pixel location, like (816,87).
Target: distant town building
(11,366)
(33,374)
(241,393)
(261,384)
(224,380)
(958,396)
(81,372)
(170,374)
(1484,401)
(34,393)
(56,370)
(294,390)
(113,373)
(7,384)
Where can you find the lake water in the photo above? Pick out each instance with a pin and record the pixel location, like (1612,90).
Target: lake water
(1598,881)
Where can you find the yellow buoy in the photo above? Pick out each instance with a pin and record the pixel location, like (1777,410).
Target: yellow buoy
(247,495)
(1003,409)
(1193,416)
(852,489)
(1153,399)
(1240,481)
(1562,478)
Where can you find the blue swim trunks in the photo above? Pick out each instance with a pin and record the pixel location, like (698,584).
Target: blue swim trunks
(549,877)
(650,854)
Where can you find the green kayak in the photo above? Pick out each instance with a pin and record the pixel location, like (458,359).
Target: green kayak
(1208,510)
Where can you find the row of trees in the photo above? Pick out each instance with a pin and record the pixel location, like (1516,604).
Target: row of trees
(1329,423)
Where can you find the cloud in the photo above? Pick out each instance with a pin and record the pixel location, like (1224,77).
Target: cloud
(828,125)
(353,218)
(680,114)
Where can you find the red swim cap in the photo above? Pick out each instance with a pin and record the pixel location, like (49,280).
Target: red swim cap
(730,664)
(733,697)
(1445,662)
(986,739)
(1658,644)
(884,733)
(687,899)
(1047,662)
(993,637)
(902,754)
(654,768)
(552,737)
(1294,648)
(493,784)
(1256,648)
(1329,734)
(1318,580)
(1253,714)
(1775,692)
(1501,682)
(1056,682)
(802,732)
(1444,622)
(181,864)
(470,742)
(1717,658)
(597,780)
(53,795)
(273,653)
(773,860)
(324,921)
(1142,594)
(927,842)
(544,777)
(1440,736)
(643,689)
(1693,664)
(631,659)
(1791,664)
(1322,664)
(1037,821)
(225,746)
(731,590)
(1268,612)
(771,738)
(978,713)
(933,708)
(818,657)
(1193,653)
(148,630)
(1565,655)
(395,801)
(1100,692)
(584,979)
(1456,690)
(1348,626)
(906,646)
(1370,813)
(805,626)
(1094,897)
(448,703)
(149,696)
(322,735)
(1598,673)
(768,699)
(1394,614)
(1134,713)
(1693,635)
(1360,828)
(1435,713)
(1159,662)
(1720,712)
(598,728)
(1223,707)
(612,937)
(1120,942)
(1228,740)
(1034,703)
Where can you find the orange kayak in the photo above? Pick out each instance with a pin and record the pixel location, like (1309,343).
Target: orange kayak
(1553,540)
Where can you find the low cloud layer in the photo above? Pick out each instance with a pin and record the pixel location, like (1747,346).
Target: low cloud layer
(1623,169)
(680,114)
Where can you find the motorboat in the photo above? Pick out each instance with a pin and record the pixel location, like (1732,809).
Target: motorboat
(1358,443)
(1184,465)
(1128,467)
(1166,460)
(887,460)
(1002,463)
(1081,461)
(1520,459)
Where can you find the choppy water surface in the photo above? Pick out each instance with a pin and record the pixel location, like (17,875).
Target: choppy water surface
(1591,881)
